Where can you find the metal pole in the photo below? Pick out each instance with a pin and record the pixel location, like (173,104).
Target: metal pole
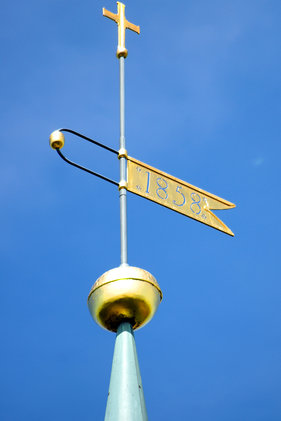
(125,398)
(123,168)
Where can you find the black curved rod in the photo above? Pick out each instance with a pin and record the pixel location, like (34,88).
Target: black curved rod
(90,140)
(86,169)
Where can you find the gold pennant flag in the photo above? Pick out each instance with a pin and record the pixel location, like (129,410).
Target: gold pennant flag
(176,194)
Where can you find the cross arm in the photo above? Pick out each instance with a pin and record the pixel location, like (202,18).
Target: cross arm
(110,15)
(133,27)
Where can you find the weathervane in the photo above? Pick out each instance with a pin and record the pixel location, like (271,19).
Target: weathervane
(126,298)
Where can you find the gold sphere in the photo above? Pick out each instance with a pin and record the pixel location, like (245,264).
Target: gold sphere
(56,139)
(124,294)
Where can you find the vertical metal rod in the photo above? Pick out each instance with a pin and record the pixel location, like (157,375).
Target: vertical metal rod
(123,168)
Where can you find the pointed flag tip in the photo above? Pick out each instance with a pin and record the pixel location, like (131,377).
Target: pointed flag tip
(229,232)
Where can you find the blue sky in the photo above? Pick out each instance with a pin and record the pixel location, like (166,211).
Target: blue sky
(203,104)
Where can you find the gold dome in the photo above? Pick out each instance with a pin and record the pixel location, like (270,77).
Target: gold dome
(124,294)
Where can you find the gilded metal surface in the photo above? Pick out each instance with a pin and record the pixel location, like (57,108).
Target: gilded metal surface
(124,294)
(123,185)
(123,24)
(56,140)
(122,153)
(176,194)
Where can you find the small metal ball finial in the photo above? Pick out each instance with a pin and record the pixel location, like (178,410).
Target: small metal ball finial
(56,140)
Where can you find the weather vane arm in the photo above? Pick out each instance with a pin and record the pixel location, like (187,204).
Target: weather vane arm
(123,24)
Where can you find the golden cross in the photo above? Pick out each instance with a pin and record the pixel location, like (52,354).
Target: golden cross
(123,24)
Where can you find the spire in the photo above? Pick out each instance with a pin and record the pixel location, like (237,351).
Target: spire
(125,397)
